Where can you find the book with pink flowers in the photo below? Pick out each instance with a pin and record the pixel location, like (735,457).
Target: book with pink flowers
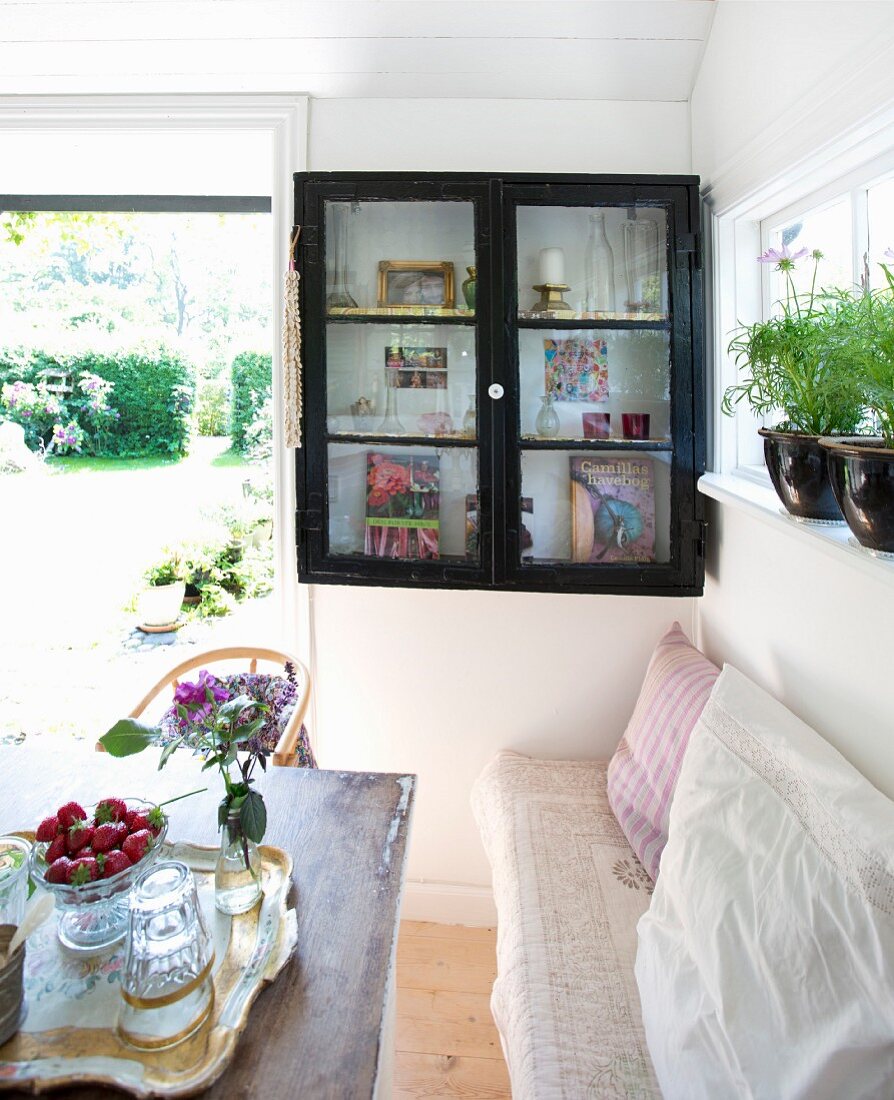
(402,506)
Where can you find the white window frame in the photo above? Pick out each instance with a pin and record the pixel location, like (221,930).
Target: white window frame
(742,286)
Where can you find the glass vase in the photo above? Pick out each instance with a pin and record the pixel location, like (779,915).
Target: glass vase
(547,422)
(470,418)
(340,297)
(640,237)
(391,424)
(237,873)
(599,269)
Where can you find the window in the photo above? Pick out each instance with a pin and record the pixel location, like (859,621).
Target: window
(851,221)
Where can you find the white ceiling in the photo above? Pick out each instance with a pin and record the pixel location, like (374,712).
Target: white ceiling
(500,49)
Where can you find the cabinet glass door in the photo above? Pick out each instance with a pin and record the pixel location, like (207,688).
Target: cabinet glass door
(396,284)
(597,487)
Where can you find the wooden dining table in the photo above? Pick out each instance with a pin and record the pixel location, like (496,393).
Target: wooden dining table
(324,1028)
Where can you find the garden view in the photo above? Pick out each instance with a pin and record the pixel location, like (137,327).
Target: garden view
(135,452)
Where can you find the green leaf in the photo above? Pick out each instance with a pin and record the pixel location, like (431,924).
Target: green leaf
(168,751)
(232,708)
(210,763)
(128,737)
(223,812)
(244,733)
(253,816)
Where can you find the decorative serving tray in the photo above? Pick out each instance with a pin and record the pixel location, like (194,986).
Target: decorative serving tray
(68,1036)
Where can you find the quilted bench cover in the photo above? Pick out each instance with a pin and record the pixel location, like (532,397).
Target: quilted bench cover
(569,892)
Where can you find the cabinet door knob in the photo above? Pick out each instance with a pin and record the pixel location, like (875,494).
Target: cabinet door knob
(495,391)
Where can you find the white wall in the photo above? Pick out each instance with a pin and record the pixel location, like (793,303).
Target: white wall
(437,682)
(807,626)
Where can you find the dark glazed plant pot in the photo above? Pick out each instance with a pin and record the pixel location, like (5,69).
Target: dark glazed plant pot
(799,472)
(862,473)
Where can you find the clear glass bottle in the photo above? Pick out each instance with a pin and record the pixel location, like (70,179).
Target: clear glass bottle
(599,268)
(237,874)
(470,425)
(340,297)
(547,422)
(640,237)
(391,424)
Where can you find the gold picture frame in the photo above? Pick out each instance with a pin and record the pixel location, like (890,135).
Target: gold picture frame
(429,284)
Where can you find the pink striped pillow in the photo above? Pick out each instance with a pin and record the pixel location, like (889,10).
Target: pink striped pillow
(643,772)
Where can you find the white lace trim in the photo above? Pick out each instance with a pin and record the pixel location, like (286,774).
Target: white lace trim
(864,871)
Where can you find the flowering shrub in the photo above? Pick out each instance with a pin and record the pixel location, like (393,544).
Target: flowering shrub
(67,438)
(32,406)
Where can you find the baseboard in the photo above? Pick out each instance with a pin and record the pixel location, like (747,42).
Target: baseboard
(449,903)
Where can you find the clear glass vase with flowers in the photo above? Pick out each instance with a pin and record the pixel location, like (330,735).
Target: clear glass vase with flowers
(225,731)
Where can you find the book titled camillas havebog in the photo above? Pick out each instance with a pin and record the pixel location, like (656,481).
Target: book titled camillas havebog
(613,509)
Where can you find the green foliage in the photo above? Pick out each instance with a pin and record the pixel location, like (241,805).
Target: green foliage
(259,433)
(862,346)
(152,393)
(167,570)
(787,367)
(213,408)
(127,738)
(252,378)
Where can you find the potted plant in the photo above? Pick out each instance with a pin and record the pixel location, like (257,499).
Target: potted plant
(788,372)
(160,602)
(861,468)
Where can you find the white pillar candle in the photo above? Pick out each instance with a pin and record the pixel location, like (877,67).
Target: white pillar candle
(552,266)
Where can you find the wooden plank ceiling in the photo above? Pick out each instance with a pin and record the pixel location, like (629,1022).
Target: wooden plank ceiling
(505,49)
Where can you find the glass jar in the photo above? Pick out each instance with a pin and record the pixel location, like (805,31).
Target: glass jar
(640,237)
(599,269)
(547,422)
(237,874)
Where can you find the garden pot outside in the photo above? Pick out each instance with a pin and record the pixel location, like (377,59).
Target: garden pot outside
(159,605)
(798,469)
(861,469)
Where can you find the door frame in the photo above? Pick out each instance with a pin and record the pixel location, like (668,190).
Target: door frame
(285,120)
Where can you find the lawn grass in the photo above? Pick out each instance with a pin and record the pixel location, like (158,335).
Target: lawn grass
(75,464)
(230,457)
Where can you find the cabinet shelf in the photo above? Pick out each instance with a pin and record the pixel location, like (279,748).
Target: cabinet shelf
(534,443)
(425,504)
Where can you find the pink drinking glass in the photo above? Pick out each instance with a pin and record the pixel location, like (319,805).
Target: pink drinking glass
(597,425)
(635,425)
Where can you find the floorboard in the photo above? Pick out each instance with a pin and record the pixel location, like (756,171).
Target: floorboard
(447,1044)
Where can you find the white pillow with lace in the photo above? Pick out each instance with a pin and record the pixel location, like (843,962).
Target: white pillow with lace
(765,962)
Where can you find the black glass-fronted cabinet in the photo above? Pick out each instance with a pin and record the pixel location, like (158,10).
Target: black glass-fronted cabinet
(503,382)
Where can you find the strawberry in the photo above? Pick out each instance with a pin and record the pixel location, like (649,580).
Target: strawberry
(152,820)
(82,870)
(58,871)
(114,862)
(110,809)
(48,828)
(108,836)
(70,813)
(78,835)
(56,849)
(137,845)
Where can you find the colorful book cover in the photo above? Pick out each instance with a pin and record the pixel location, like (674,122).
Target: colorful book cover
(577,368)
(613,509)
(526,535)
(402,506)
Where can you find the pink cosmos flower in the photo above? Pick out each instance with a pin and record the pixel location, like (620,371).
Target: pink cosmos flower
(781,256)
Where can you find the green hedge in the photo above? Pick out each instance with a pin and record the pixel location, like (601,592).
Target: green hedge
(153,392)
(252,379)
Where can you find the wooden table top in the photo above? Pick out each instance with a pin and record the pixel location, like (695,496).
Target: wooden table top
(316,1031)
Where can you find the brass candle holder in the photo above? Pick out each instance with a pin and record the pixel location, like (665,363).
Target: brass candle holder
(551,298)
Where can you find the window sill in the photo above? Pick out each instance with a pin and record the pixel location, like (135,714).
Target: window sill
(762,504)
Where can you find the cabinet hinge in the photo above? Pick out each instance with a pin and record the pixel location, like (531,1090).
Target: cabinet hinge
(308,519)
(689,244)
(697,530)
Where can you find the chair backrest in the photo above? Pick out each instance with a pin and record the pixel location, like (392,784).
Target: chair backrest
(284,753)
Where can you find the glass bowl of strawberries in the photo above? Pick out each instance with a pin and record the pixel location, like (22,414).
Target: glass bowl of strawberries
(88,858)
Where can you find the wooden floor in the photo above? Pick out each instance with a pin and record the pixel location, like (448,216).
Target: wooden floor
(447,1044)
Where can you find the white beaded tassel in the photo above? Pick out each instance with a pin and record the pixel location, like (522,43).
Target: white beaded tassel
(291,351)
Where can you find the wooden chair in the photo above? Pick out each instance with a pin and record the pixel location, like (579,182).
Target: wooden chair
(284,753)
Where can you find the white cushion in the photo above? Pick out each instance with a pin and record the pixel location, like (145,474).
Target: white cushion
(766,960)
